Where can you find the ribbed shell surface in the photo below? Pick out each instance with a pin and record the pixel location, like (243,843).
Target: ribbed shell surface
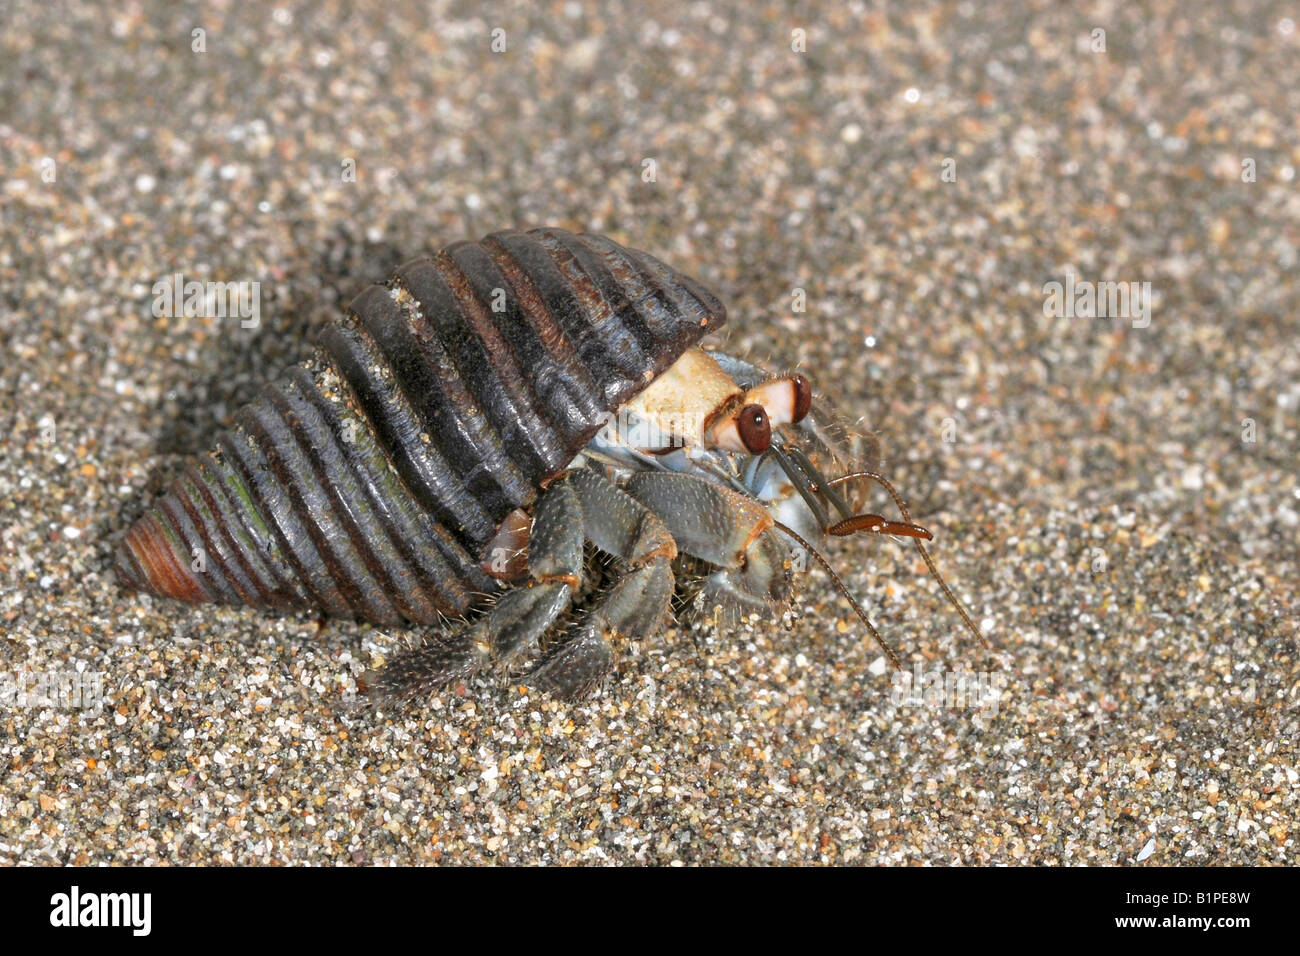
(367,481)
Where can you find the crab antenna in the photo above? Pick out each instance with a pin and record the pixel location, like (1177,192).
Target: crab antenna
(929,561)
(889,651)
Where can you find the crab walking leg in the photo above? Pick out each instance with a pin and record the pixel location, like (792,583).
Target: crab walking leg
(511,626)
(580,507)
(726,529)
(634,607)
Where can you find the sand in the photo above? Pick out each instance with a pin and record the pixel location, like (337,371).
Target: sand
(1114,497)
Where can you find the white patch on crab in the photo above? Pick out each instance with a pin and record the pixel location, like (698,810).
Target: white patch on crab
(773,488)
(683,400)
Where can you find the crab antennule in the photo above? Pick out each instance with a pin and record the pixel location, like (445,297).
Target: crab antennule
(800,482)
(878,524)
(823,485)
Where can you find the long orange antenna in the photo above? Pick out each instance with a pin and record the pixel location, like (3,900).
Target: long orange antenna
(826,565)
(929,561)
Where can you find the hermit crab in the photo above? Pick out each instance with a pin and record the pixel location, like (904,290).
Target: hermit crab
(518,445)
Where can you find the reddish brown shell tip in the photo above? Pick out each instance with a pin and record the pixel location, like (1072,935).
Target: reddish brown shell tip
(146,561)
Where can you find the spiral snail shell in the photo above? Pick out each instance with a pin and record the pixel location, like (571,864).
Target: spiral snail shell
(369,481)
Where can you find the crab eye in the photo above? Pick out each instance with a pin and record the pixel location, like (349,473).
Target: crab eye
(755,429)
(802,397)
